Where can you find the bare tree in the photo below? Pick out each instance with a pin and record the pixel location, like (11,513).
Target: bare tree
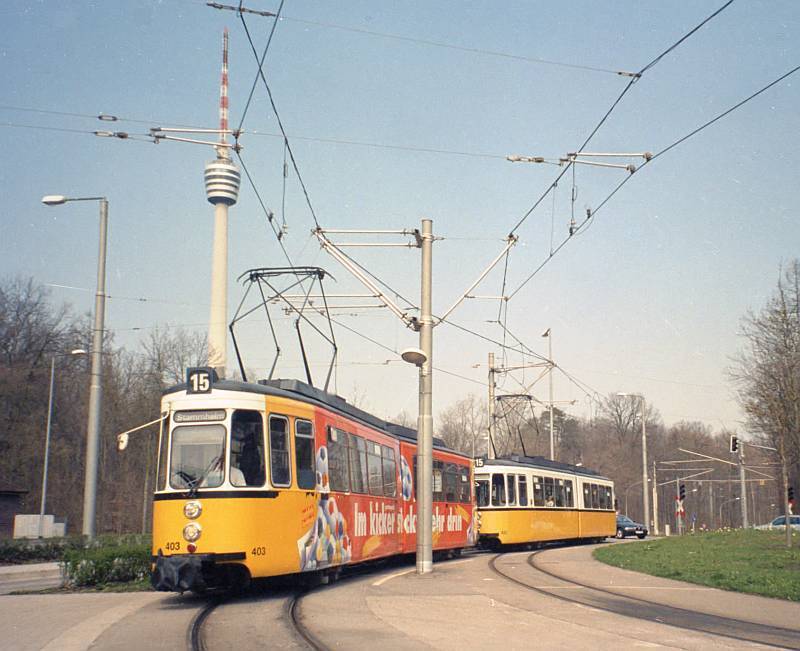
(767,374)
(463,426)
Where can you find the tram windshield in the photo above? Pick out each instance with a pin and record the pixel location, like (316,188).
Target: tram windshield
(198,456)
(482,492)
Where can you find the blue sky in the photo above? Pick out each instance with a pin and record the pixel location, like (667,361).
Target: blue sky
(648,299)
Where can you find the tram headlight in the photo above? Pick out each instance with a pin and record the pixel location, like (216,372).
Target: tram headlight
(192,531)
(192,510)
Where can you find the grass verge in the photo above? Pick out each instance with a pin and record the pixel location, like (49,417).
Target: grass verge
(756,562)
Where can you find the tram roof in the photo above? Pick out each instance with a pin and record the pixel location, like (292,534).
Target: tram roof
(294,388)
(542,463)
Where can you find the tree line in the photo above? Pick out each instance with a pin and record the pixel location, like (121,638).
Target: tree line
(34,332)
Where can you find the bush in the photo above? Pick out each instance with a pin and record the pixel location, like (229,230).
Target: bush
(101,563)
(36,551)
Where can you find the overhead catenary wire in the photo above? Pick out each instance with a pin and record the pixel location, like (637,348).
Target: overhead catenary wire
(260,75)
(460,48)
(261,61)
(613,106)
(591,214)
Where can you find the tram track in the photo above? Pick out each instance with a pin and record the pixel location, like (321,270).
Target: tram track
(635,607)
(196,638)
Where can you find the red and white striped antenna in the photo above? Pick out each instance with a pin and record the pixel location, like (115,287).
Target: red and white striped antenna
(223,99)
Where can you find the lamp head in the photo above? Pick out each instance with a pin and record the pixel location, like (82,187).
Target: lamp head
(414,356)
(54,199)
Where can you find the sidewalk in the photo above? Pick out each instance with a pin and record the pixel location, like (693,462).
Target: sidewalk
(464,604)
(34,576)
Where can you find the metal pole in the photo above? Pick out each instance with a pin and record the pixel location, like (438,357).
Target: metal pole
(644,468)
(425,440)
(678,519)
(655,501)
(47,443)
(711,506)
(96,386)
(743,487)
(491,427)
(550,357)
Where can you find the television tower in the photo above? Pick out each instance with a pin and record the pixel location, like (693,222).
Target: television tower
(222,190)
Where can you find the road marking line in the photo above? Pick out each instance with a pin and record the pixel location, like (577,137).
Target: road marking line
(380,582)
(82,635)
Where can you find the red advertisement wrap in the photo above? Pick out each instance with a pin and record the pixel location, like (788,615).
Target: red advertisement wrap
(356,524)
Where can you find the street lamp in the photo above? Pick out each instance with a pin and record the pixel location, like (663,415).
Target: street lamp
(645,501)
(548,333)
(95,386)
(77,351)
(733,499)
(636,483)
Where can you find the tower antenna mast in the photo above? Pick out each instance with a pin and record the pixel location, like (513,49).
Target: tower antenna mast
(222,179)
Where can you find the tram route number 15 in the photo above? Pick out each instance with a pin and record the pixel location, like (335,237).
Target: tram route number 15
(200,380)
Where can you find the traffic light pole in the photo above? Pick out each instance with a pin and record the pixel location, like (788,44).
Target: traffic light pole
(655,501)
(678,519)
(742,487)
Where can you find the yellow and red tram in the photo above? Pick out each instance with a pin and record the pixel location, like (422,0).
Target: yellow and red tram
(532,499)
(274,478)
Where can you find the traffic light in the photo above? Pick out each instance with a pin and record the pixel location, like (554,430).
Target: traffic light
(734,443)
(682,492)
(790,494)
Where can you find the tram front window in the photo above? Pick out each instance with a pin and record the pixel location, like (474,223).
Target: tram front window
(482,492)
(198,455)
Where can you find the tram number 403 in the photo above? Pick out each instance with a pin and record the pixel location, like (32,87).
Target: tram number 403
(200,380)
(259,551)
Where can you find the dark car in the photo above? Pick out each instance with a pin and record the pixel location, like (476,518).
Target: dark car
(627,527)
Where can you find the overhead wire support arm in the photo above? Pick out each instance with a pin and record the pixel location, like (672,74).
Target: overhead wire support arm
(511,240)
(356,231)
(342,259)
(243,10)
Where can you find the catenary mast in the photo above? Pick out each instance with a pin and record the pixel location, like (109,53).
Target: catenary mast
(222,190)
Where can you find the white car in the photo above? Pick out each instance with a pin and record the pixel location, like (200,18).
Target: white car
(780,523)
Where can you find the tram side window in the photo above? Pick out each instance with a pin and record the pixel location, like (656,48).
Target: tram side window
(498,490)
(338,469)
(438,481)
(561,500)
(609,498)
(389,472)
(374,468)
(549,492)
(247,449)
(595,497)
(162,454)
(538,491)
(511,481)
(601,495)
(279,473)
(451,481)
(358,464)
(482,492)
(522,489)
(304,453)
(463,474)
(569,493)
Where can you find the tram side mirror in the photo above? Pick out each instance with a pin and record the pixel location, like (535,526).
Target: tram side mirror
(122,442)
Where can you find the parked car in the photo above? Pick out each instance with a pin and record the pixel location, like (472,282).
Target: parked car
(780,523)
(627,527)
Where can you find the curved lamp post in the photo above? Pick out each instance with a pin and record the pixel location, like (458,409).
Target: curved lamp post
(95,387)
(645,500)
(77,351)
